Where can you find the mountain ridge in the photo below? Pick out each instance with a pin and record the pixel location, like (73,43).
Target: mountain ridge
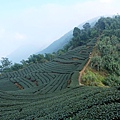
(25,51)
(61,42)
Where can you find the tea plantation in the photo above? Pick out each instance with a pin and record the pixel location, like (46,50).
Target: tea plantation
(43,91)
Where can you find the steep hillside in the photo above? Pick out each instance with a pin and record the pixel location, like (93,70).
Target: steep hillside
(49,75)
(53,90)
(105,62)
(45,93)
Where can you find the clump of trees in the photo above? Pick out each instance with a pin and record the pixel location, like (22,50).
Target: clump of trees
(81,36)
(108,55)
(8,66)
(5,64)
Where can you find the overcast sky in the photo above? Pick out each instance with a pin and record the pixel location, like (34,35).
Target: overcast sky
(40,22)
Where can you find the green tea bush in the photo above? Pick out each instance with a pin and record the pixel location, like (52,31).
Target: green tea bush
(112,80)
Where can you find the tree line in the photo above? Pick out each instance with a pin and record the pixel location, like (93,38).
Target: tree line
(107,56)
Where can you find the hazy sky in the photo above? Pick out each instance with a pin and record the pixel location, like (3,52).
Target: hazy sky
(40,22)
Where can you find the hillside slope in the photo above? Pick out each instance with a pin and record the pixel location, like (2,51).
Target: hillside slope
(51,90)
(45,95)
(49,75)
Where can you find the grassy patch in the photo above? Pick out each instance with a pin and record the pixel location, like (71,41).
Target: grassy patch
(93,78)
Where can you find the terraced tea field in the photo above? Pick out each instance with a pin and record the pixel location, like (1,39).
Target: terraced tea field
(51,76)
(42,92)
(79,103)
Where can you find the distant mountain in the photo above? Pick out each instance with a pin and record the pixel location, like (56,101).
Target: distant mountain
(58,44)
(21,53)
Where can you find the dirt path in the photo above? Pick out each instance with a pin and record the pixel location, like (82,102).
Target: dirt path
(19,86)
(82,71)
(84,68)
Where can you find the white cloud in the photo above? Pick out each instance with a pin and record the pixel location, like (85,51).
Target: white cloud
(2,32)
(19,36)
(106,1)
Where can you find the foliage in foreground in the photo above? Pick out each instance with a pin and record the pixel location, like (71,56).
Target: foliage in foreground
(78,103)
(92,78)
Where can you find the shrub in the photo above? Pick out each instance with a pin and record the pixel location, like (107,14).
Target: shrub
(112,80)
(92,79)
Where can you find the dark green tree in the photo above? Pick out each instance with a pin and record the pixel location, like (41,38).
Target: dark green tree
(76,37)
(100,25)
(6,63)
(16,67)
(86,26)
(76,32)
(96,63)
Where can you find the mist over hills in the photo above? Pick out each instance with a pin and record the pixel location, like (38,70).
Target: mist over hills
(58,44)
(25,51)
(21,53)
